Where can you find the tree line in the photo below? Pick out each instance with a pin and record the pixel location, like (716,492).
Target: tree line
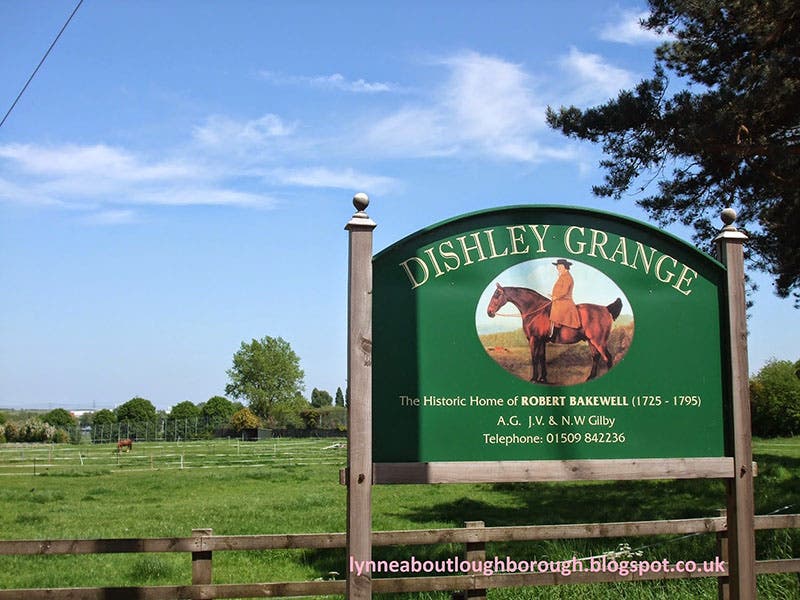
(774,396)
(266,384)
(266,375)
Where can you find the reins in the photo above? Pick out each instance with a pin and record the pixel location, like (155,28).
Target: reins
(538,310)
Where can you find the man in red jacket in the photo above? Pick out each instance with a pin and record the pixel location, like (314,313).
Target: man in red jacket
(563,312)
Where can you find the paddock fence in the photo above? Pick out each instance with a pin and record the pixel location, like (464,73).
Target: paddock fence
(203,544)
(43,459)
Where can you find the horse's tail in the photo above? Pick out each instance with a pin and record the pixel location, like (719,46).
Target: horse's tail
(615,308)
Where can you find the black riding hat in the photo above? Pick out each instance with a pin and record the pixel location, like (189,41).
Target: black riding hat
(564,262)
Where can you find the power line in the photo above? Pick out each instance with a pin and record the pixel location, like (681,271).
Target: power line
(41,62)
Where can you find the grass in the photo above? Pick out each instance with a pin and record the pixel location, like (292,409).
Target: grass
(289,486)
(566,364)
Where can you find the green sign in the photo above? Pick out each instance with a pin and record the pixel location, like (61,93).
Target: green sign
(545,332)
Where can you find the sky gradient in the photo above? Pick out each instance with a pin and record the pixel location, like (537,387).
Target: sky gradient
(177,177)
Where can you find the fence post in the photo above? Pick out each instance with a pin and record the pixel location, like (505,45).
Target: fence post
(723,585)
(741,505)
(476,552)
(359,378)
(201,559)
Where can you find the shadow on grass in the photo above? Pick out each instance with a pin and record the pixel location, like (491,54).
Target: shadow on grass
(776,487)
(776,490)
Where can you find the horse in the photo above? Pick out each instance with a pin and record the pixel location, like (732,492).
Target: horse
(126,443)
(596,322)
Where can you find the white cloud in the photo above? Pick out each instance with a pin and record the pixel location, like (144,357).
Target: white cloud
(323,177)
(221,130)
(484,107)
(99,179)
(592,79)
(337,81)
(487,107)
(412,131)
(490,97)
(627,29)
(98,160)
(204,196)
(25,194)
(111,217)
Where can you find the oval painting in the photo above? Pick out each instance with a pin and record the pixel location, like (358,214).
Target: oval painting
(554,321)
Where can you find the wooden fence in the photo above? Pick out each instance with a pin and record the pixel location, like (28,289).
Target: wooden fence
(203,544)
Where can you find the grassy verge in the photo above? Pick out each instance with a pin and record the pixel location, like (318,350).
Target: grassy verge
(292,486)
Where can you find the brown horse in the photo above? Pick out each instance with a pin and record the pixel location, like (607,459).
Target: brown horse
(126,443)
(596,322)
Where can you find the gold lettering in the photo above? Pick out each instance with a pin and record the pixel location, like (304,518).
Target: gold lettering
(622,250)
(568,240)
(596,245)
(490,236)
(429,252)
(447,255)
(539,236)
(646,262)
(670,274)
(515,240)
(683,277)
(475,236)
(423,267)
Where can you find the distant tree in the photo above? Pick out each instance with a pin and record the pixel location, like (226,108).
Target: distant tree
(59,417)
(265,372)
(136,410)
(286,415)
(320,398)
(184,410)
(104,417)
(245,419)
(775,400)
(728,136)
(32,430)
(11,431)
(2,417)
(333,417)
(310,418)
(218,409)
(339,397)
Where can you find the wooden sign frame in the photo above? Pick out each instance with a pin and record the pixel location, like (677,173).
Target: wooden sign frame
(361,473)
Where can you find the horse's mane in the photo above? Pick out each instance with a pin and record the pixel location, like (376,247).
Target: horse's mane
(527,293)
(525,298)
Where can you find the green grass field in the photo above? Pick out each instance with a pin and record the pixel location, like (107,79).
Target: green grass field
(566,364)
(291,486)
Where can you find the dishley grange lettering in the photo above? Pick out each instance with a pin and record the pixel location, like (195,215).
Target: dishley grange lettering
(463,250)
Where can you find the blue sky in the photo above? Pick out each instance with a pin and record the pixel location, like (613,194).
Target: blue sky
(177,177)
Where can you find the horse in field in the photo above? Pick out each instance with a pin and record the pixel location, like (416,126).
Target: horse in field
(126,443)
(596,322)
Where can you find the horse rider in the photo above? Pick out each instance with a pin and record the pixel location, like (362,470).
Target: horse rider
(563,312)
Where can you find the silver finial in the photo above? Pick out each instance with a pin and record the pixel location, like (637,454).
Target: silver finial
(728,216)
(361,201)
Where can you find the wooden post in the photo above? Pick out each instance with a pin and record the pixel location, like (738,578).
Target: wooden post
(359,406)
(476,551)
(741,506)
(723,587)
(201,559)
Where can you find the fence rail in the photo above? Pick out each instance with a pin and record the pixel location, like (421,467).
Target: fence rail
(37,459)
(202,544)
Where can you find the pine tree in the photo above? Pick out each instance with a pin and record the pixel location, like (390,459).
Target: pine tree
(728,136)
